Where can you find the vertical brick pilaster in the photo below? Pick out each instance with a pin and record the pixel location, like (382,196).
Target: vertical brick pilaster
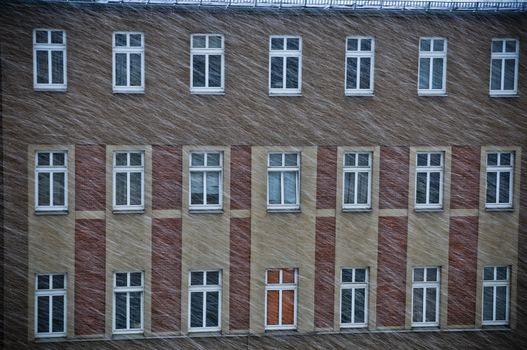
(393,182)
(326,177)
(240,177)
(464,192)
(167,167)
(90,174)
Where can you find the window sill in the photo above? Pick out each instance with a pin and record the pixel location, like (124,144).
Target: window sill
(285,94)
(204,333)
(283,211)
(51,212)
(128,334)
(128,91)
(127,211)
(357,210)
(511,95)
(281,331)
(50,89)
(205,211)
(50,337)
(359,94)
(352,328)
(432,94)
(425,210)
(506,210)
(425,327)
(200,92)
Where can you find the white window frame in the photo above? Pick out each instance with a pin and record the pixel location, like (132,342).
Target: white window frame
(427,285)
(204,169)
(129,289)
(205,289)
(280,287)
(128,169)
(356,169)
(499,169)
(49,47)
(428,169)
(51,169)
(50,293)
(430,55)
(353,286)
(283,169)
(284,54)
(503,56)
(207,52)
(496,283)
(359,54)
(128,50)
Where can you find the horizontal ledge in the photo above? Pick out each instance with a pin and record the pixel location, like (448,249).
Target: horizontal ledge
(284,211)
(51,212)
(506,210)
(124,211)
(357,210)
(206,211)
(429,210)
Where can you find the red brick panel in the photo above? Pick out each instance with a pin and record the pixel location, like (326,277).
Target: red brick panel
(240,273)
(166,177)
(326,177)
(90,276)
(394,169)
(324,271)
(166,275)
(391,271)
(462,270)
(240,177)
(90,177)
(465,177)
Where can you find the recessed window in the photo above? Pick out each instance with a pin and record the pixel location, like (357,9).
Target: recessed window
(51,181)
(207,62)
(425,297)
(359,65)
(285,65)
(128,62)
(429,180)
(357,180)
(205,301)
(50,305)
(206,170)
(128,180)
(354,298)
(500,166)
(49,59)
(283,173)
(128,302)
(281,298)
(504,67)
(496,295)
(432,66)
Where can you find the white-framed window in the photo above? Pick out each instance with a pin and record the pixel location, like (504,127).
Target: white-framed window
(206,180)
(49,59)
(283,180)
(51,181)
(432,66)
(128,62)
(50,305)
(204,306)
(360,55)
(128,302)
(429,180)
(496,295)
(128,180)
(285,65)
(207,62)
(354,297)
(504,59)
(425,296)
(357,180)
(281,298)
(500,170)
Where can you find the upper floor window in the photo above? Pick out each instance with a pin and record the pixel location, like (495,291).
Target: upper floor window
(285,65)
(357,180)
(283,172)
(128,62)
(500,166)
(205,301)
(281,298)
(206,170)
(49,59)
(429,180)
(425,296)
(504,67)
(50,305)
(128,180)
(496,295)
(51,185)
(207,62)
(359,65)
(128,302)
(354,298)
(432,66)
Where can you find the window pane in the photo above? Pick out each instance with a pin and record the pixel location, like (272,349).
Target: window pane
(136,159)
(292,73)
(290,187)
(120,69)
(488,273)
(417,315)
(293,44)
(420,194)
(497,46)
(58,314)
(43,282)
(120,311)
(198,41)
(501,303)
(42,67)
(44,189)
(501,273)
(272,307)
(492,159)
(120,39)
(365,45)
(43,314)
(43,158)
(510,67)
(273,276)
(275,159)
(439,45)
(435,159)
(135,40)
(135,69)
(121,189)
(58,281)
(495,81)
(347,275)
(510,46)
(57,67)
(365,63)
(364,159)
(505,159)
(505,180)
(213,187)
(135,279)
(121,279)
(277,71)
(353,44)
(277,43)
(362,188)
(213,159)
(288,276)
(435,183)
(196,309)
(349,188)
(437,77)
(198,70)
(349,159)
(360,275)
(488,303)
(213,278)
(274,188)
(288,307)
(425,45)
(431,304)
(424,73)
(135,309)
(41,36)
(422,159)
(351,73)
(419,275)
(121,159)
(345,308)
(431,274)
(58,159)
(196,187)
(211,316)
(214,71)
(198,159)
(58,188)
(360,304)
(135,189)
(491,187)
(215,42)
(196,278)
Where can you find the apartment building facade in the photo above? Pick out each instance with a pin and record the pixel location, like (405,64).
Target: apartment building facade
(261,175)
